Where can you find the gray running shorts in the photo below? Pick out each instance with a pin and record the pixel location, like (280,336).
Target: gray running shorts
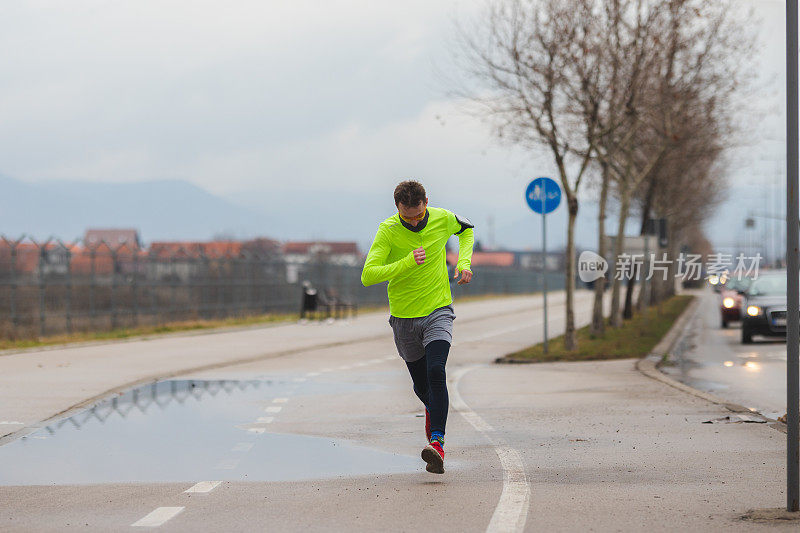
(411,335)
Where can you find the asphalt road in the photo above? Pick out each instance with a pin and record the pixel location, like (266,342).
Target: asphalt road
(753,375)
(312,438)
(316,429)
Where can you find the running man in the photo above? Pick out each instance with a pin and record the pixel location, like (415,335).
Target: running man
(409,252)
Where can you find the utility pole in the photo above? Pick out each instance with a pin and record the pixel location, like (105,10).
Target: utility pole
(792,259)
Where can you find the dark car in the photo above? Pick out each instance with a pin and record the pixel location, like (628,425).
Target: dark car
(731,299)
(764,307)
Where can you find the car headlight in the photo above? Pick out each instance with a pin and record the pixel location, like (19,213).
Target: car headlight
(753,310)
(728,302)
(713,280)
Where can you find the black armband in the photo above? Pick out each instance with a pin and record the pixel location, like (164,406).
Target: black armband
(465,224)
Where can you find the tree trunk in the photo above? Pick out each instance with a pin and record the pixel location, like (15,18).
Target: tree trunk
(674,252)
(570,340)
(628,312)
(598,324)
(646,209)
(616,315)
(640,303)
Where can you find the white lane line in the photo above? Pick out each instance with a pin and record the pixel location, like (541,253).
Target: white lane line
(227,464)
(11,423)
(361,364)
(280,400)
(265,419)
(273,409)
(512,509)
(242,447)
(389,358)
(158,517)
(256,430)
(497,333)
(313,374)
(203,486)
(375,361)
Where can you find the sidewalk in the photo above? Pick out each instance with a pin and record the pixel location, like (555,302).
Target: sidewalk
(619,446)
(606,448)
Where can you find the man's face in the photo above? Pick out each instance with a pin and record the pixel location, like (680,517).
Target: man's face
(412,215)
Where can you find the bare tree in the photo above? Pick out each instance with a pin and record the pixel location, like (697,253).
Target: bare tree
(605,87)
(705,54)
(524,55)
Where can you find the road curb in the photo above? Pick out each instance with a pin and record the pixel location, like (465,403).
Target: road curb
(649,365)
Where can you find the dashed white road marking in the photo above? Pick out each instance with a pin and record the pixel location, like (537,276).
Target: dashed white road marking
(376,361)
(312,374)
(257,430)
(11,423)
(158,517)
(389,358)
(363,363)
(243,447)
(203,486)
(227,464)
(280,400)
(273,409)
(299,380)
(512,509)
(265,419)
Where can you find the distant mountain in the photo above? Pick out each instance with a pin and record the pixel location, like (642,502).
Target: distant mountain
(178,210)
(160,210)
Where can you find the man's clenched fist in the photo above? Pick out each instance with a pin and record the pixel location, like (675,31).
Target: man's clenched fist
(419,255)
(466,276)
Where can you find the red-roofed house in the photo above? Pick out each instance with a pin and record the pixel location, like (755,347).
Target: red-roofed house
(29,258)
(196,250)
(340,253)
(114,238)
(497,259)
(521,260)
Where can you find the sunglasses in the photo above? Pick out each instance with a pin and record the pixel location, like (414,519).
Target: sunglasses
(414,219)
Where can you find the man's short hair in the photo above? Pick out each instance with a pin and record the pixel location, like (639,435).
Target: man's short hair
(410,193)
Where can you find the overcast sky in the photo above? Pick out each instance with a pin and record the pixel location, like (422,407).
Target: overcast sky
(267,101)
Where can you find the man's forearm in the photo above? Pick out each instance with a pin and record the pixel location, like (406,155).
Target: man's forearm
(466,240)
(374,273)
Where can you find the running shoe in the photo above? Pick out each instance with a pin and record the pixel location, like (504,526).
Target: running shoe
(433,454)
(427,425)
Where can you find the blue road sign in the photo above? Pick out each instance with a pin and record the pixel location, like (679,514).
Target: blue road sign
(543,195)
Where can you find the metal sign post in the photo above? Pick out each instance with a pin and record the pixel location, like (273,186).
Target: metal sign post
(543,196)
(792,259)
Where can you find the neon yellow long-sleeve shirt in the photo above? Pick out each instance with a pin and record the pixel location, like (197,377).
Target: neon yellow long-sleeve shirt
(416,290)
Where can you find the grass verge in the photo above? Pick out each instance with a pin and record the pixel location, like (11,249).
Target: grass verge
(636,338)
(124,333)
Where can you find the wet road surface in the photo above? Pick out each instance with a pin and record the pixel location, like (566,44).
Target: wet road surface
(325,424)
(753,375)
(151,434)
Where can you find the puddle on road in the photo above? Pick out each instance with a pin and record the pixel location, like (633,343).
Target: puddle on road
(188,430)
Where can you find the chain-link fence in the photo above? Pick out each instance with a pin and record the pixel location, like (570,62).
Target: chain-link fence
(55,287)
